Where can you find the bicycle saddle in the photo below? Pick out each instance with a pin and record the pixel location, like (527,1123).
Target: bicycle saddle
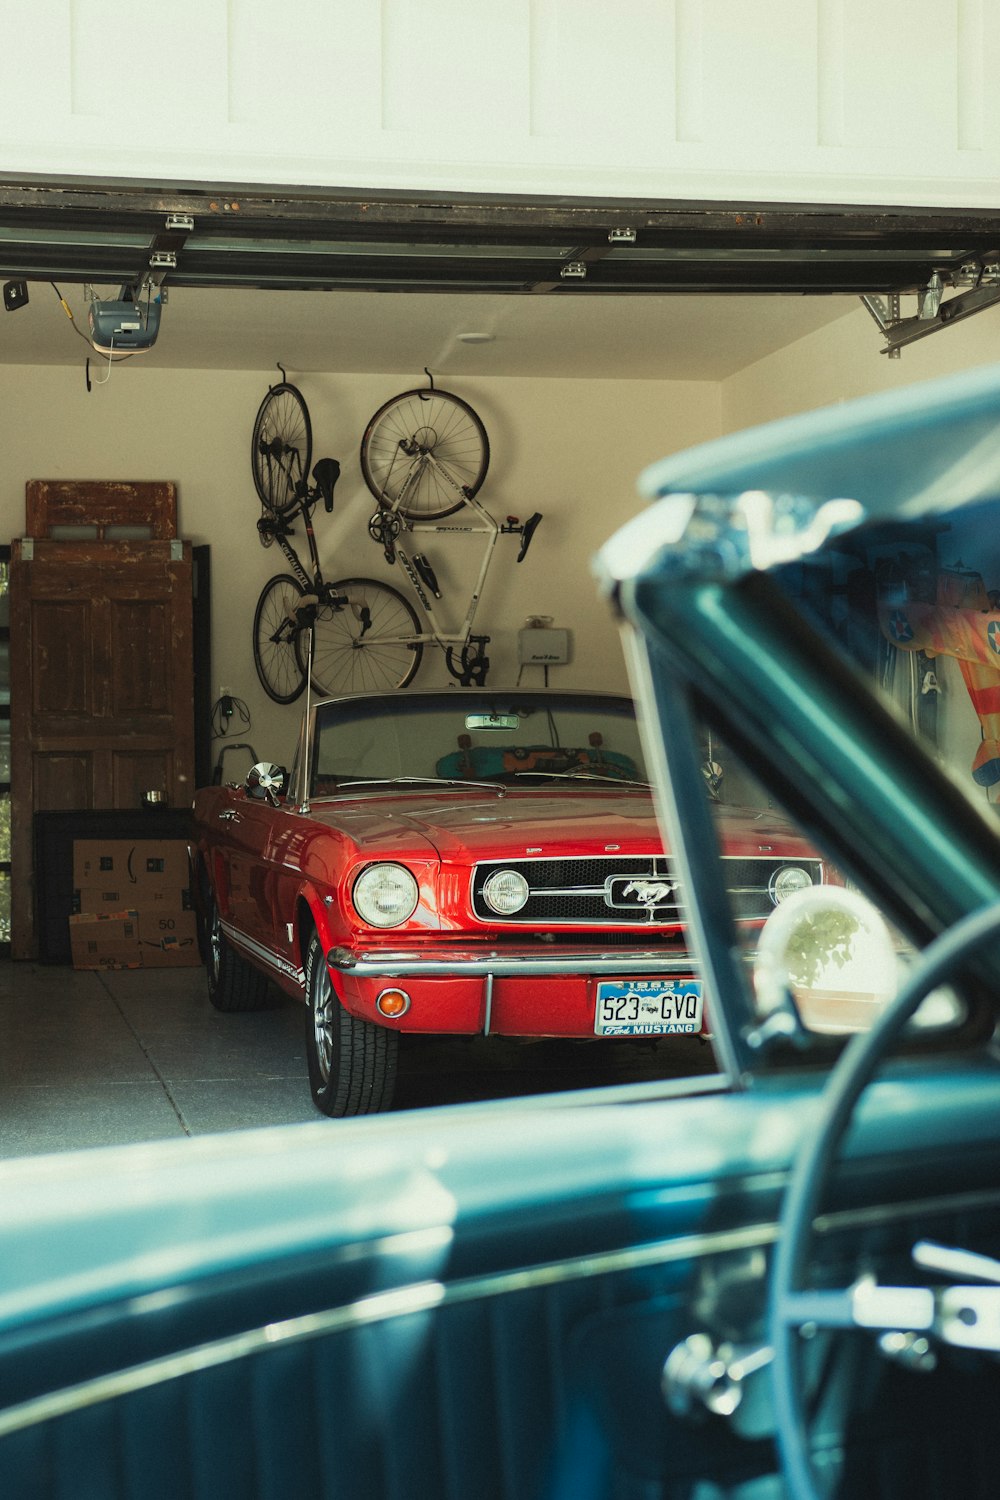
(326,472)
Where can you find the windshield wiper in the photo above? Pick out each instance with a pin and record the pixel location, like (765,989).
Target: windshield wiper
(349,784)
(583,776)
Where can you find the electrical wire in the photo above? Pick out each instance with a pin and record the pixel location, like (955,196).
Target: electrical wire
(111,361)
(80,333)
(224,710)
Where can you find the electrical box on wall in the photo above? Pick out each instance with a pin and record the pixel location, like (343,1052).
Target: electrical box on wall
(542,647)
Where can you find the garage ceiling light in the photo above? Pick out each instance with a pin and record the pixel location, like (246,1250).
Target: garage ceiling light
(476,338)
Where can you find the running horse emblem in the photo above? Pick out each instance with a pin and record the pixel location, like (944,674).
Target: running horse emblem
(649,892)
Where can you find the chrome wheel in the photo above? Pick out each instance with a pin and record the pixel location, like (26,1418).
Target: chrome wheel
(233,983)
(215,944)
(352,1062)
(322,1006)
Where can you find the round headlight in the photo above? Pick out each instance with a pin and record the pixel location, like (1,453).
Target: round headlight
(786,881)
(505,892)
(385,895)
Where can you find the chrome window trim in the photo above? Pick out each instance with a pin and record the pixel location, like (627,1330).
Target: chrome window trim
(379,1307)
(422,1296)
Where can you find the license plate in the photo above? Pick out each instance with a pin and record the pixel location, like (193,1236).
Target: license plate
(648,1007)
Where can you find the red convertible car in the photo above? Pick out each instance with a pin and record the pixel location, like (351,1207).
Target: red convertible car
(477,862)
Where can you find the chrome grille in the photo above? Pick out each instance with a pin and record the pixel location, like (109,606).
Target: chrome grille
(593,892)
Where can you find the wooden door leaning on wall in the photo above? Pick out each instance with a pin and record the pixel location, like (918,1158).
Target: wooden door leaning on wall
(102,674)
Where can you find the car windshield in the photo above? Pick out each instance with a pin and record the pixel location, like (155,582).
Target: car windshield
(824,596)
(915,605)
(527,739)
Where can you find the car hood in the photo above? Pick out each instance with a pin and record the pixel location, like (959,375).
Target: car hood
(463,825)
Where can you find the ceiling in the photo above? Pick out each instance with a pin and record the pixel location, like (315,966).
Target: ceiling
(326,281)
(659,337)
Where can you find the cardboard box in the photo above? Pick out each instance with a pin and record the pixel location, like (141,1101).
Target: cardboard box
(132,905)
(105,940)
(168,938)
(133,865)
(93,900)
(105,899)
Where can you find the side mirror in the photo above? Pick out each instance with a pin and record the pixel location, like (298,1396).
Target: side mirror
(827,953)
(266,781)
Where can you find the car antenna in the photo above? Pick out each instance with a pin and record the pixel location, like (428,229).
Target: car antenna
(307,746)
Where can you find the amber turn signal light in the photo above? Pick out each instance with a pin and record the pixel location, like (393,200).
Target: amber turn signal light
(393,1004)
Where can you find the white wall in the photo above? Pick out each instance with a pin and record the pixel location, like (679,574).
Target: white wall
(822,101)
(570,449)
(843,360)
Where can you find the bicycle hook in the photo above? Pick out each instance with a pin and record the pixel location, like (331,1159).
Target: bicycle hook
(426,395)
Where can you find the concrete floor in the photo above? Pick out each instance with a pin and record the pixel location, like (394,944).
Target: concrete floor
(109,1058)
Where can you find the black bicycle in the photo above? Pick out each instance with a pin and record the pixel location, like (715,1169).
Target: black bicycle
(358,634)
(424,455)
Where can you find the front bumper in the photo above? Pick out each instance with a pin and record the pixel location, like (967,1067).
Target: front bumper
(412,963)
(504,992)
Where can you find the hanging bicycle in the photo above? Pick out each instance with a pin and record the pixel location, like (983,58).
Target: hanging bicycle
(424,455)
(364,633)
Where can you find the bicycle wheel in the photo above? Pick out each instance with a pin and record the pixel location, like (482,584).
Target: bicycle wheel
(281,448)
(428,447)
(367,645)
(276,639)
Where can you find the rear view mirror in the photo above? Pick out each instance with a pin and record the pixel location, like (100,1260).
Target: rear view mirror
(491,721)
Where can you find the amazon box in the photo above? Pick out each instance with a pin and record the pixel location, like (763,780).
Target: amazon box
(132,905)
(132,866)
(168,938)
(105,940)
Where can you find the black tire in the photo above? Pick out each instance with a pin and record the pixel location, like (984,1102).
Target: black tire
(352,1063)
(276,650)
(368,645)
(233,984)
(281,448)
(418,422)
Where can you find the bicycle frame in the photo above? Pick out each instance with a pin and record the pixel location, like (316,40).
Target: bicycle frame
(489,528)
(279,532)
(486,526)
